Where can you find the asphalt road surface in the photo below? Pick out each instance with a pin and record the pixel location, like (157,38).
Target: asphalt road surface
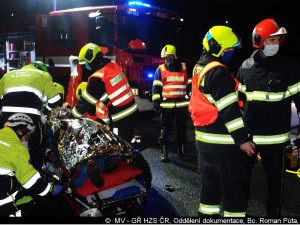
(183,176)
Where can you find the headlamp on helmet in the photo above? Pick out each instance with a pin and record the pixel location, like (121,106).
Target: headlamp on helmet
(88,53)
(168,50)
(265,29)
(219,38)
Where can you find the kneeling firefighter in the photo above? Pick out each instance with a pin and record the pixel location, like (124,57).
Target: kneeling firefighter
(21,184)
(109,90)
(221,139)
(22,91)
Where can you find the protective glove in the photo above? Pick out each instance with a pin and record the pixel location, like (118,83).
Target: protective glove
(57,189)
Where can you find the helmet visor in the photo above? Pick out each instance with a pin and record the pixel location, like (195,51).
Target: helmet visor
(40,66)
(281,31)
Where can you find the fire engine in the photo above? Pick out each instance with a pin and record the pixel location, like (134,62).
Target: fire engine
(131,34)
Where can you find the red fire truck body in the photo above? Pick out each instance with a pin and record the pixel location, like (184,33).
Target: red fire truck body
(132,35)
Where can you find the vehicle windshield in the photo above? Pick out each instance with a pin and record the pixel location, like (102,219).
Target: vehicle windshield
(154,32)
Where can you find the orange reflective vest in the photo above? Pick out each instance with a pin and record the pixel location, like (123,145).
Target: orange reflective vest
(117,87)
(174,83)
(202,111)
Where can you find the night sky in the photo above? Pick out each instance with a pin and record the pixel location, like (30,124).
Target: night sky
(199,15)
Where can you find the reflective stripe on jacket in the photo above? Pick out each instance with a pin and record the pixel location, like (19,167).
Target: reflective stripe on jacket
(202,111)
(23,90)
(118,92)
(14,165)
(269,85)
(174,83)
(203,108)
(116,99)
(170,86)
(116,84)
(215,109)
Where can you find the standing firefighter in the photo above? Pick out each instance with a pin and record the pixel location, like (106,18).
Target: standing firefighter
(109,90)
(22,91)
(170,97)
(270,82)
(221,138)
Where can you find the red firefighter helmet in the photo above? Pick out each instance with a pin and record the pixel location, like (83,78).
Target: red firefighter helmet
(265,29)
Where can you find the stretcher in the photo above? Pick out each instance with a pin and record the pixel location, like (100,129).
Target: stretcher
(126,180)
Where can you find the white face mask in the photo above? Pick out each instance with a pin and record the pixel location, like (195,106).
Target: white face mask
(25,138)
(270,50)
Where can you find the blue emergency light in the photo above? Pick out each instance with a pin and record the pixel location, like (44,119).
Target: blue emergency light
(139,4)
(142,4)
(150,75)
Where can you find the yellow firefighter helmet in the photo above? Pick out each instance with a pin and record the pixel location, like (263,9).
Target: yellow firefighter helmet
(88,53)
(219,38)
(80,89)
(60,89)
(168,50)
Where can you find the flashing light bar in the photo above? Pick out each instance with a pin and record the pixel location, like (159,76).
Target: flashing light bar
(139,4)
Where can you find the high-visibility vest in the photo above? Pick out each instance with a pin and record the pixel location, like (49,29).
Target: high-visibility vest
(202,111)
(102,109)
(117,87)
(174,83)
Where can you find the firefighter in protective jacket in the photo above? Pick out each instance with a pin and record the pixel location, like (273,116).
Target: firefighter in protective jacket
(22,91)
(20,182)
(109,90)
(221,138)
(270,82)
(170,96)
(102,116)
